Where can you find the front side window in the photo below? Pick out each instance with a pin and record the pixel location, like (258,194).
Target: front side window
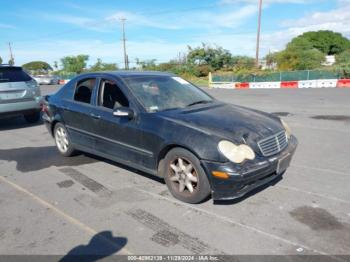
(84,89)
(159,93)
(110,95)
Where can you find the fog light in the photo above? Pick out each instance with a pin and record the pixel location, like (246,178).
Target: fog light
(219,174)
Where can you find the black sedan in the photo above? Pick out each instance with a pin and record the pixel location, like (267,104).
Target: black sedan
(163,125)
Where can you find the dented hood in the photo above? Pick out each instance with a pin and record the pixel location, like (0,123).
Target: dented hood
(228,121)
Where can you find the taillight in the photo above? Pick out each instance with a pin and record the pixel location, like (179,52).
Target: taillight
(32,83)
(44,108)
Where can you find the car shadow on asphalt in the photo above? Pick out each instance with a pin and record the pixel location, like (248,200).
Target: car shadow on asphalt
(101,245)
(249,194)
(127,168)
(31,159)
(16,123)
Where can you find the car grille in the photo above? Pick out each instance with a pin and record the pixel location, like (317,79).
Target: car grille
(273,144)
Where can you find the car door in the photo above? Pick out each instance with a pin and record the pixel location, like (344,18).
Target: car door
(77,113)
(118,137)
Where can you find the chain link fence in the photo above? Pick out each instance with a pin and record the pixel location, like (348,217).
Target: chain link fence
(66,75)
(279,76)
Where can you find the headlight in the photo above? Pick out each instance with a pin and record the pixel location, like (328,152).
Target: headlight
(236,153)
(287,128)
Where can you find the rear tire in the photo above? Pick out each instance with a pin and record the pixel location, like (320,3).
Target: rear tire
(184,176)
(62,140)
(32,117)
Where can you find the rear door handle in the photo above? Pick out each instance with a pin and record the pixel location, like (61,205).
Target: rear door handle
(95,116)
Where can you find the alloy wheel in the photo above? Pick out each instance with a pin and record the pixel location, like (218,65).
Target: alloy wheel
(183,175)
(62,139)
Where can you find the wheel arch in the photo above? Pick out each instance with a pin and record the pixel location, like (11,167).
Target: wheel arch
(165,150)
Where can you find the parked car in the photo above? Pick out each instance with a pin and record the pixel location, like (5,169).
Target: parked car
(47,79)
(163,125)
(19,94)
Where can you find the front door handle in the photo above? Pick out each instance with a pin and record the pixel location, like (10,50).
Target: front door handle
(95,116)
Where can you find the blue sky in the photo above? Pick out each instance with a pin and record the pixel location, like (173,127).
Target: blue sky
(48,30)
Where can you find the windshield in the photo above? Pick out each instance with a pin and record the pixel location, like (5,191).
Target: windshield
(159,93)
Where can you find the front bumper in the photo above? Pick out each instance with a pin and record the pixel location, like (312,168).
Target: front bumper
(247,176)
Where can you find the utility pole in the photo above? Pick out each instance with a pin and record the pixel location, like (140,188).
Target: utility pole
(12,60)
(126,62)
(258,36)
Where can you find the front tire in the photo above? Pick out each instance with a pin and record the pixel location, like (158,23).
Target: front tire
(62,140)
(184,176)
(32,117)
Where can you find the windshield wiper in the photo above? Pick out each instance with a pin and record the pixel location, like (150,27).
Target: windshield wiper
(170,108)
(199,102)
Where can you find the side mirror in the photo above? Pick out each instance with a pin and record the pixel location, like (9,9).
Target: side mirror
(123,112)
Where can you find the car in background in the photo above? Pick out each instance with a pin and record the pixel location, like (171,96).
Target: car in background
(19,94)
(163,125)
(47,79)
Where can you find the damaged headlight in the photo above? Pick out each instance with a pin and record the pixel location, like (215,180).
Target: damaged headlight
(287,128)
(236,153)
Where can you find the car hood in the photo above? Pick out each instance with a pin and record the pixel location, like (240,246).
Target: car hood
(236,123)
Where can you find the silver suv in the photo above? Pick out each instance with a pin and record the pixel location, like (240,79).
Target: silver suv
(19,94)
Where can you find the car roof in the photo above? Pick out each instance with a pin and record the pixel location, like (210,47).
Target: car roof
(130,73)
(9,66)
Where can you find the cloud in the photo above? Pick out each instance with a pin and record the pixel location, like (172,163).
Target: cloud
(7,26)
(141,20)
(214,26)
(336,19)
(168,20)
(80,21)
(266,1)
(190,20)
(230,19)
(108,51)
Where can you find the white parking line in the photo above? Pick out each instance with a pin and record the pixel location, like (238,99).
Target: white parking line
(313,193)
(72,220)
(231,221)
(321,170)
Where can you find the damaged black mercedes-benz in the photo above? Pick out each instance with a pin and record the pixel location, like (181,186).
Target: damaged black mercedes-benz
(161,124)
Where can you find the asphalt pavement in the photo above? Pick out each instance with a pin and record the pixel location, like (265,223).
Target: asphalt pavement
(51,205)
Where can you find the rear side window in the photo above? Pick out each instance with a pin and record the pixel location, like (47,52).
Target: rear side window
(13,74)
(84,89)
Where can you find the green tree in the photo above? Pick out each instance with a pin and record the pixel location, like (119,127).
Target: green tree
(343,63)
(100,66)
(0,60)
(271,59)
(36,67)
(300,54)
(242,63)
(216,57)
(297,59)
(147,64)
(328,42)
(74,64)
(343,59)
(11,62)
